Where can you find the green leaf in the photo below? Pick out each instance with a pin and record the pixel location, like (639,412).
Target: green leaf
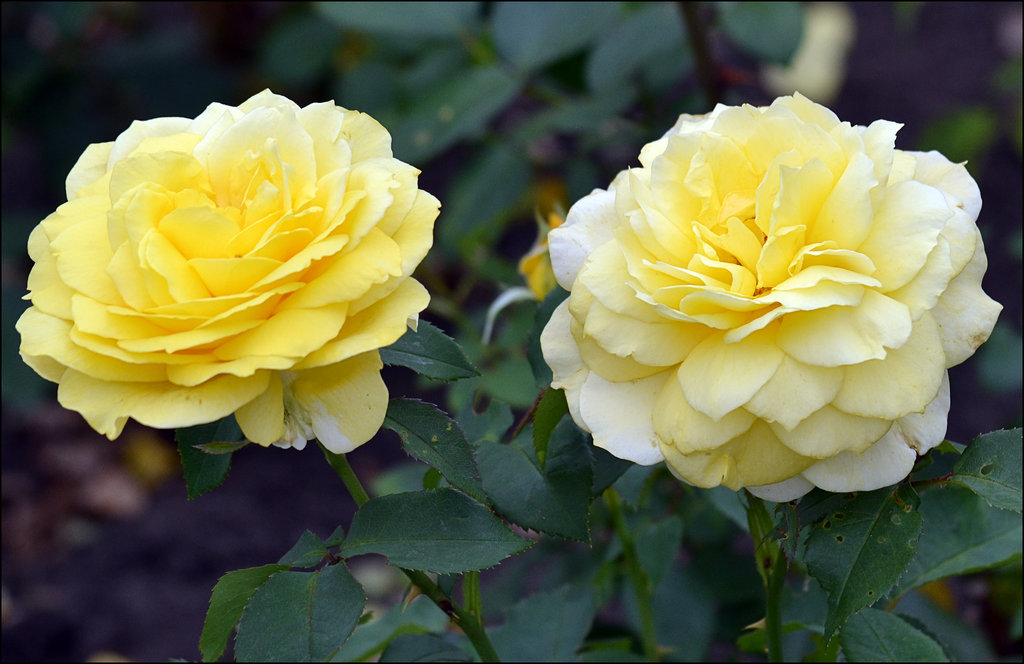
(203,470)
(683,631)
(961,534)
(418,617)
(423,648)
(335,538)
(221,447)
(488,426)
(646,34)
(440,531)
(430,352)
(872,635)
(300,616)
(430,436)
(546,627)
(657,545)
(412,19)
(729,503)
(991,468)
(307,551)
(860,549)
(766,30)
(584,116)
(227,602)
(530,35)
(550,411)
(459,108)
(607,469)
(554,499)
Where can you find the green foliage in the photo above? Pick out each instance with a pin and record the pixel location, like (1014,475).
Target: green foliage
(991,468)
(960,534)
(410,19)
(862,548)
(423,648)
(872,635)
(430,436)
(546,627)
(530,35)
(455,110)
(550,410)
(300,616)
(420,616)
(551,497)
(646,35)
(232,592)
(440,531)
(205,452)
(307,552)
(430,352)
(765,30)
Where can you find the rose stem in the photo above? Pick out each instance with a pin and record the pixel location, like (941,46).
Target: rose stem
(771,564)
(701,51)
(468,621)
(641,583)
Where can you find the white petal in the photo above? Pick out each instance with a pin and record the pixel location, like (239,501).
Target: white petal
(885,463)
(621,416)
(587,226)
(563,356)
(782,492)
(933,168)
(926,430)
(964,313)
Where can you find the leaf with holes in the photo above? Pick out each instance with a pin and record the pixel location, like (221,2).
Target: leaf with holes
(860,549)
(961,534)
(991,468)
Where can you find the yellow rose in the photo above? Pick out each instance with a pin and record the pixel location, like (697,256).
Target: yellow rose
(771,301)
(535,265)
(250,261)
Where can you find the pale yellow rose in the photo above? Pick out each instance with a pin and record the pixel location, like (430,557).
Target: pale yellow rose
(771,301)
(250,261)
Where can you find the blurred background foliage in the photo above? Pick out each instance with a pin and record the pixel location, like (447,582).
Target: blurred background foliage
(514,110)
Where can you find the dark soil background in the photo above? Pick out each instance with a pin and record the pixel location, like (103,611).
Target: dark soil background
(103,555)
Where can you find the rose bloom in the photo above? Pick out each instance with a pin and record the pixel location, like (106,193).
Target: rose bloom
(771,301)
(250,261)
(535,265)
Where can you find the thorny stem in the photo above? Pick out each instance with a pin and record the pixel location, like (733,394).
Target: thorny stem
(641,583)
(701,51)
(469,620)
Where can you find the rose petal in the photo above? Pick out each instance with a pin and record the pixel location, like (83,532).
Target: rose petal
(602,404)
